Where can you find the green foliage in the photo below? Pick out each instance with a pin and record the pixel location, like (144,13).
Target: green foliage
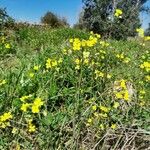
(73,91)
(99,17)
(53,20)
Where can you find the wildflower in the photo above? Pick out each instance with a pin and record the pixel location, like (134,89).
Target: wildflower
(116,105)
(89,120)
(23,98)
(147,78)
(142,92)
(31,74)
(119,95)
(94,107)
(5,117)
(101,127)
(118,12)
(36,105)
(31,127)
(35,109)
(76,44)
(108,76)
(38,102)
(113,126)
(36,68)
(104,109)
(126,95)
(25,106)
(2,82)
(77,61)
(48,63)
(71,40)
(123,84)
(7,46)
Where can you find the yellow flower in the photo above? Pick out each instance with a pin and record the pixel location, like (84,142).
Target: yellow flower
(7,46)
(31,74)
(126,95)
(89,120)
(123,84)
(118,12)
(142,92)
(25,106)
(116,105)
(77,61)
(119,95)
(36,68)
(104,109)
(113,126)
(147,78)
(5,117)
(38,102)
(71,40)
(35,109)
(23,98)
(77,67)
(101,127)
(31,127)
(94,107)
(2,82)
(109,76)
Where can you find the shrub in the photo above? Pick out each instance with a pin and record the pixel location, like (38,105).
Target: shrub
(53,20)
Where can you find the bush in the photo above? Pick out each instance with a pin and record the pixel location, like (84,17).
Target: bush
(53,20)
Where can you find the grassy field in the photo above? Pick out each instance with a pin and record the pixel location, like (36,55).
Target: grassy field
(67,89)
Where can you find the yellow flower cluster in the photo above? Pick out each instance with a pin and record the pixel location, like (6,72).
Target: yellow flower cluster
(7,46)
(50,63)
(104,44)
(146,66)
(36,67)
(121,91)
(23,98)
(118,12)
(4,119)
(35,106)
(101,74)
(99,113)
(31,126)
(77,44)
(123,58)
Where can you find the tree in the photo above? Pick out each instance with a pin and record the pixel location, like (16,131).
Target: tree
(99,17)
(53,20)
(5,19)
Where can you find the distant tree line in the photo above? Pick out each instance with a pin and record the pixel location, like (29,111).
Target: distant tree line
(54,21)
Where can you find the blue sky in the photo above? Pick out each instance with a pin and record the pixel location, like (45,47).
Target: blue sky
(32,10)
